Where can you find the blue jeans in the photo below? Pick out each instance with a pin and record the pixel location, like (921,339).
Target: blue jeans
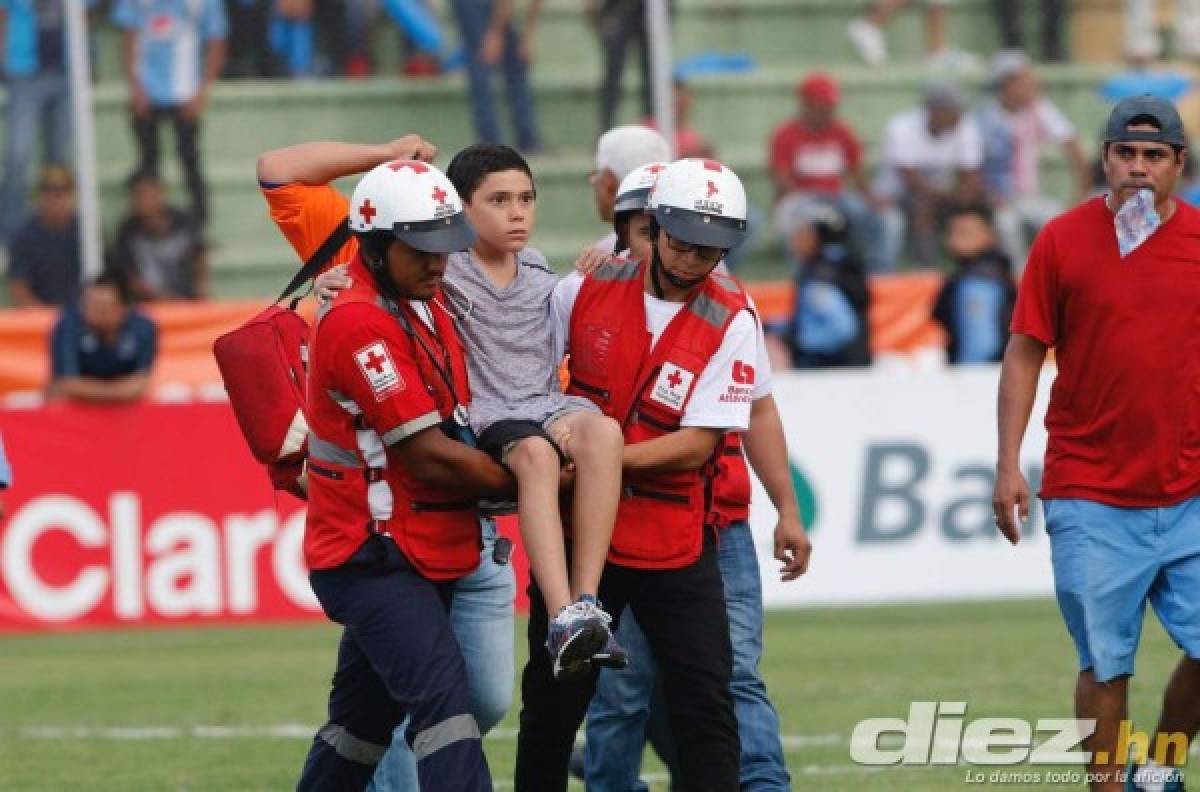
(617,715)
(473,18)
(31,100)
(481,617)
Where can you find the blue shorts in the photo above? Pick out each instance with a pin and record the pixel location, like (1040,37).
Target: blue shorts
(1108,561)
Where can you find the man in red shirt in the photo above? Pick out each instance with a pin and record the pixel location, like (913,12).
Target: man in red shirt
(1114,286)
(393,482)
(816,154)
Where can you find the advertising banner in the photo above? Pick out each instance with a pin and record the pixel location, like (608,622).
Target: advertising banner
(156,514)
(895,471)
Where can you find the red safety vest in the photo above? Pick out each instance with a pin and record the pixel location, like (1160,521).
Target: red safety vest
(661,517)
(731,486)
(357,486)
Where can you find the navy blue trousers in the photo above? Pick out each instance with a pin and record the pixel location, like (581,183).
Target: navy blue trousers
(397,656)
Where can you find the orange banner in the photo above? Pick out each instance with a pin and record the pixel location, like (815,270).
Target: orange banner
(900,323)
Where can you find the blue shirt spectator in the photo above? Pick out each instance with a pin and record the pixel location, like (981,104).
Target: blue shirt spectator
(35,37)
(169,39)
(44,266)
(102,350)
(976,303)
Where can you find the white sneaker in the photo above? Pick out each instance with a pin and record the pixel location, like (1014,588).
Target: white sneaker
(868,41)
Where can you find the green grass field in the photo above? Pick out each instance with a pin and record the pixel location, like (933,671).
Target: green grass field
(64,699)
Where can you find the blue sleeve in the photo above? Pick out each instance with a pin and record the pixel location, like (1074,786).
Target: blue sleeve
(125,14)
(147,344)
(64,347)
(215,24)
(5,468)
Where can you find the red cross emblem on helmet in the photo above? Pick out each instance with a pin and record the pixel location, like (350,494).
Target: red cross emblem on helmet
(416,166)
(367,211)
(439,195)
(654,168)
(712,189)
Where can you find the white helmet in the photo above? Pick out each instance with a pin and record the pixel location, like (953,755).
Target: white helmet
(701,202)
(413,201)
(635,188)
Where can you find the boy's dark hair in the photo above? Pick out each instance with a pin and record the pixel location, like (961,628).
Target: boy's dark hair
(471,166)
(980,210)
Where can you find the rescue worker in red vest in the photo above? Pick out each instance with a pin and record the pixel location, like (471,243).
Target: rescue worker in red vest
(393,485)
(662,347)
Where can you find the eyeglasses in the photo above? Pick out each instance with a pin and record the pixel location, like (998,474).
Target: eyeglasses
(709,255)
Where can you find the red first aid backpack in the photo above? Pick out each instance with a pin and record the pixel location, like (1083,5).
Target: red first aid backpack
(263,364)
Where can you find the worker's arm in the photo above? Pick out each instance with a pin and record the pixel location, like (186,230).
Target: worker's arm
(766,449)
(322,162)
(686,449)
(1023,359)
(437,461)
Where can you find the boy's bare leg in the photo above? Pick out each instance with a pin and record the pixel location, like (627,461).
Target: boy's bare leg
(593,442)
(536,465)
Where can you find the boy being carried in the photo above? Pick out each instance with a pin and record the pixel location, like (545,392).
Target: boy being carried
(499,291)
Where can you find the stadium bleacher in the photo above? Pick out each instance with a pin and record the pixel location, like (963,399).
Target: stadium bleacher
(735,111)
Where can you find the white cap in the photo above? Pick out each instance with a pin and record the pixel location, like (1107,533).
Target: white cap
(625,148)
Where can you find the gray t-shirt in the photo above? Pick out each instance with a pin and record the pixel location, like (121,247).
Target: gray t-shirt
(509,340)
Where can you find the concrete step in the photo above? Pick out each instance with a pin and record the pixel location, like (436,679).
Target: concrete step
(774,32)
(247,118)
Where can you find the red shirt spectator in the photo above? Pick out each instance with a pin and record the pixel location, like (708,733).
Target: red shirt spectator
(1122,420)
(816,152)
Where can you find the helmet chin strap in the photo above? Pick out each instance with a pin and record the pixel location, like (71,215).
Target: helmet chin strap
(657,270)
(383,279)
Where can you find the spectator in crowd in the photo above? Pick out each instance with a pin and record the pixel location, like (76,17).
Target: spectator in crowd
(932,157)
(167,80)
(619,23)
(828,325)
(1142,43)
(44,260)
(250,54)
(976,302)
(159,249)
(6,476)
(1015,125)
(102,349)
(39,102)
(291,36)
(688,141)
(493,43)
(619,152)
(819,155)
(866,34)
(1010,20)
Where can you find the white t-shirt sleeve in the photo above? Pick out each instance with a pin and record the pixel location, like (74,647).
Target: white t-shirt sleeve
(723,392)
(562,302)
(762,365)
(970,145)
(1054,124)
(898,147)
